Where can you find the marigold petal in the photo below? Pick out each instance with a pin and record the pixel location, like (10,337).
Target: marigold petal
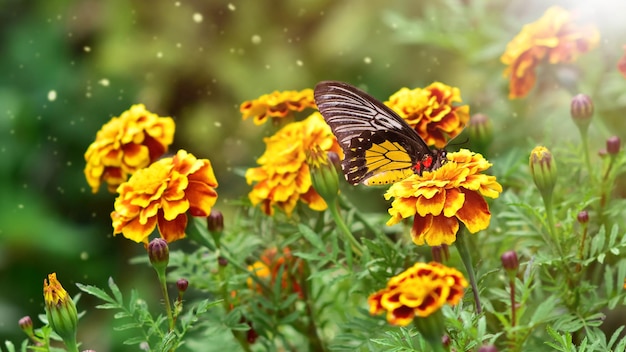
(434,230)
(172,230)
(475,213)
(138,232)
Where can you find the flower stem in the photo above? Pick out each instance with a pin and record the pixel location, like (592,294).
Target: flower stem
(71,345)
(166,297)
(585,142)
(356,246)
(432,329)
(463,248)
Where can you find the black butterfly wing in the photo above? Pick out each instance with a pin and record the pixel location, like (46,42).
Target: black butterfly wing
(379,146)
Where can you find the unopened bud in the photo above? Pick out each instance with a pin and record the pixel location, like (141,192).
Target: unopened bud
(182,285)
(613,145)
(510,263)
(215,221)
(581,110)
(480,130)
(583,217)
(60,310)
(159,253)
(488,348)
(26,324)
(323,174)
(543,170)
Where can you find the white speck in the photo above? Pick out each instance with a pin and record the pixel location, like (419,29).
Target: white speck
(87,49)
(267,67)
(104,82)
(218,124)
(159,55)
(52,95)
(367,60)
(256,39)
(179,45)
(197,17)
(84,255)
(299,62)
(177,4)
(20,206)
(231,7)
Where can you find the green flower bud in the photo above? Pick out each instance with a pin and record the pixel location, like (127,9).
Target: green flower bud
(323,174)
(480,130)
(61,310)
(159,254)
(543,170)
(26,324)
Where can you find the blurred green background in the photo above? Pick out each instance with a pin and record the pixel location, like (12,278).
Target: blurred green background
(67,67)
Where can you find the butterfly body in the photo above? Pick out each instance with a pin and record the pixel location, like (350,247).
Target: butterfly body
(379,146)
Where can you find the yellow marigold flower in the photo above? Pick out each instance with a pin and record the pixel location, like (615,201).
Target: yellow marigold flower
(126,144)
(162,194)
(430,111)
(270,265)
(277,105)
(283,177)
(418,292)
(441,198)
(60,309)
(553,38)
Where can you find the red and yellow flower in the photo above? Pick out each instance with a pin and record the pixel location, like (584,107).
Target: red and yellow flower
(438,200)
(60,310)
(431,112)
(277,105)
(162,194)
(419,291)
(126,144)
(283,177)
(269,267)
(554,38)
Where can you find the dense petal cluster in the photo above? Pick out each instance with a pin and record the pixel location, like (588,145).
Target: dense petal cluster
(430,111)
(418,292)
(162,194)
(443,197)
(554,38)
(283,175)
(271,265)
(126,144)
(277,105)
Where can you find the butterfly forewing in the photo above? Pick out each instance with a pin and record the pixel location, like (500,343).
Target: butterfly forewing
(379,146)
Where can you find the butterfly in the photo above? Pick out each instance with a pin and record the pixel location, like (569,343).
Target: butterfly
(379,146)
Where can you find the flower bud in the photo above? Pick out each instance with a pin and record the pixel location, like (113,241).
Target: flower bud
(543,170)
(613,145)
(581,110)
(510,263)
(488,348)
(221,261)
(336,161)
(182,285)
(159,253)
(480,130)
(60,309)
(583,217)
(215,221)
(26,324)
(323,174)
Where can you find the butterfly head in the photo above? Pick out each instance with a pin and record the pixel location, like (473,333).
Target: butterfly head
(431,161)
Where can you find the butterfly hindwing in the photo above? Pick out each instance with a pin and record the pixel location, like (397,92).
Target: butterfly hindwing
(379,146)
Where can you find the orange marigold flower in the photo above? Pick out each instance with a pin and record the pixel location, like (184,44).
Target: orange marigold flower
(430,111)
(283,177)
(277,105)
(554,38)
(270,265)
(419,291)
(162,194)
(443,197)
(126,144)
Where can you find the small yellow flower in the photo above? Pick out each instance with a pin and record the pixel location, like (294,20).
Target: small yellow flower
(418,292)
(430,111)
(126,144)
(60,309)
(277,105)
(162,194)
(554,38)
(443,197)
(283,177)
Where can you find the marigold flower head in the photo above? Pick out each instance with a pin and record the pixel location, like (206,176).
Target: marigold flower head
(283,177)
(430,111)
(126,144)
(60,309)
(554,38)
(418,292)
(443,197)
(277,105)
(268,268)
(161,194)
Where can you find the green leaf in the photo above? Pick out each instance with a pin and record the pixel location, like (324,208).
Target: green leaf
(312,237)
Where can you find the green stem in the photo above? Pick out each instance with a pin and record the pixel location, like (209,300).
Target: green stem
(71,345)
(585,142)
(432,329)
(166,297)
(463,248)
(356,246)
